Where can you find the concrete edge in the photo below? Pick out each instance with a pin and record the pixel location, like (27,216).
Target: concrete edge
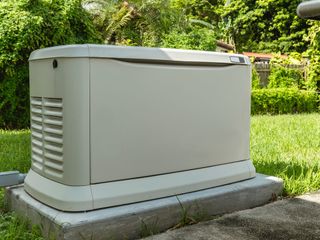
(140,219)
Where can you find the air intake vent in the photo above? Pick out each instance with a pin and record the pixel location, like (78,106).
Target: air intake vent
(47,136)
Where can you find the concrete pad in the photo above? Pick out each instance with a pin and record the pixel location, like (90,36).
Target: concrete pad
(295,218)
(139,219)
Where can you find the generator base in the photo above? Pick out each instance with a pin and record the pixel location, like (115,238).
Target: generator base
(95,196)
(140,219)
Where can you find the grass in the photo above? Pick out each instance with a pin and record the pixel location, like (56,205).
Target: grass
(14,150)
(15,155)
(13,227)
(287,146)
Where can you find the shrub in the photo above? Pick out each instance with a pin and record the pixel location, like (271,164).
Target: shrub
(283,77)
(27,25)
(313,52)
(196,39)
(283,100)
(313,80)
(255,80)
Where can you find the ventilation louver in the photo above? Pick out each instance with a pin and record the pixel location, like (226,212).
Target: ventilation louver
(47,136)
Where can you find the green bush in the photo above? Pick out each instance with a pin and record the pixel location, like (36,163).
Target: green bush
(196,39)
(27,25)
(255,79)
(313,53)
(283,77)
(283,100)
(313,80)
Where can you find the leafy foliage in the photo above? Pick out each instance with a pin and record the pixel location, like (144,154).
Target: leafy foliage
(269,26)
(157,23)
(282,77)
(138,23)
(313,81)
(155,18)
(27,25)
(255,79)
(283,100)
(197,39)
(207,11)
(119,20)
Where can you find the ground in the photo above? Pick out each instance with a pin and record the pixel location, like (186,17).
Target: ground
(292,218)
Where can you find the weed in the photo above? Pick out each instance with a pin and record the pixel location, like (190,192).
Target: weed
(185,217)
(149,229)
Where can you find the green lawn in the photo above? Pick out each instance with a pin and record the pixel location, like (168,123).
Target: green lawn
(15,150)
(14,155)
(287,146)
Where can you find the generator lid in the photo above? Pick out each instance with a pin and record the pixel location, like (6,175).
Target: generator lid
(140,54)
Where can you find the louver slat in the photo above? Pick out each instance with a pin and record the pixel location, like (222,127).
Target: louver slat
(47,136)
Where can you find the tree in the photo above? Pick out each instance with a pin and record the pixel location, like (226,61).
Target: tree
(269,26)
(156,23)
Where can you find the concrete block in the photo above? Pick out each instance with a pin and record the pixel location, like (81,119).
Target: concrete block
(135,220)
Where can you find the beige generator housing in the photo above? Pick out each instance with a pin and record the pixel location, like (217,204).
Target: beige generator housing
(114,125)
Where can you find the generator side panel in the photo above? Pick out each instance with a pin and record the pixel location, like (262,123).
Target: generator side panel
(151,119)
(59,97)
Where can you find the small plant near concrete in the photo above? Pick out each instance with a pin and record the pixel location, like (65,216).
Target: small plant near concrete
(199,214)
(191,214)
(149,228)
(12,226)
(274,197)
(185,217)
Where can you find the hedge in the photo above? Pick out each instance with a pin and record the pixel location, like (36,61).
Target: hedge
(283,100)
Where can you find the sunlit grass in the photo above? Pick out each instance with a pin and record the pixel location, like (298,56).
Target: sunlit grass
(288,146)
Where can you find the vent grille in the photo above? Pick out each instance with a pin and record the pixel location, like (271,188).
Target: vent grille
(47,136)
